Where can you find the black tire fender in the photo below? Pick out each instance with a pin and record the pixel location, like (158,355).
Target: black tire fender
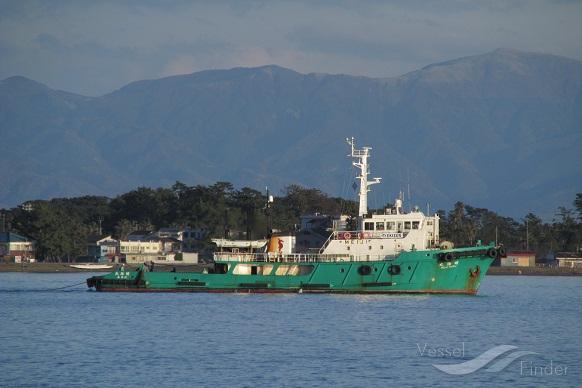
(492,253)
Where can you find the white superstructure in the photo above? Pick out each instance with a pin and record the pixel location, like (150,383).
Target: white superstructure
(379,236)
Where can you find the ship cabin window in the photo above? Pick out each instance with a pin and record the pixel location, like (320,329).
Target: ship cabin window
(293,270)
(407,225)
(379,226)
(220,268)
(429,222)
(248,269)
(400,226)
(390,226)
(415,224)
(368,226)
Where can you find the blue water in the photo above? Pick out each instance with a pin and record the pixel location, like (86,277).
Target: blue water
(74,337)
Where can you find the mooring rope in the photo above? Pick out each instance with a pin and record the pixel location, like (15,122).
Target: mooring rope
(69,286)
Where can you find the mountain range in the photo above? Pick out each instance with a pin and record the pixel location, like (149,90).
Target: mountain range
(501,130)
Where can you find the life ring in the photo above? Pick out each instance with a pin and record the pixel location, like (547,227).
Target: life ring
(360,235)
(502,252)
(346,235)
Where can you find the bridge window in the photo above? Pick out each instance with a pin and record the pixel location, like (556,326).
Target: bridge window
(390,226)
(379,226)
(407,225)
(415,224)
(368,226)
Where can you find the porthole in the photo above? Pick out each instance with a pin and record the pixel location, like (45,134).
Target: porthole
(409,268)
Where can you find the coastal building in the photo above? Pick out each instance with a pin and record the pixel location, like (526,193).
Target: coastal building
(569,259)
(315,230)
(16,248)
(164,245)
(174,233)
(157,250)
(519,259)
(140,251)
(192,238)
(104,249)
(139,235)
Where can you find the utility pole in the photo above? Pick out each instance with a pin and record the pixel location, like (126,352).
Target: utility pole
(100,220)
(526,235)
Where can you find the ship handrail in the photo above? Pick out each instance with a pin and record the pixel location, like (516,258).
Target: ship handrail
(276,257)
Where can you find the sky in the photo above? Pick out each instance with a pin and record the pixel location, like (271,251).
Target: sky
(95,47)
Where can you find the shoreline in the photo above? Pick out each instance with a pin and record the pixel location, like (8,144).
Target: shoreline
(493,271)
(534,271)
(47,268)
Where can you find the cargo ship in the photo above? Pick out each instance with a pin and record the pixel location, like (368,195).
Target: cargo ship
(388,252)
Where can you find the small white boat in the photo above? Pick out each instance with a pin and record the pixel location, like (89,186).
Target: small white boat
(91,266)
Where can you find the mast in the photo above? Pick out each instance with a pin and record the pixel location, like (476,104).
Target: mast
(361,155)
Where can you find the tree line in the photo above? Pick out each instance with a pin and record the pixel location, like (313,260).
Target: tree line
(62,226)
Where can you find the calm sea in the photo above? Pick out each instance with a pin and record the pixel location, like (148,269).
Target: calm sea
(79,338)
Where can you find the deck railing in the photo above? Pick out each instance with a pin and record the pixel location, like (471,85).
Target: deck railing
(275,257)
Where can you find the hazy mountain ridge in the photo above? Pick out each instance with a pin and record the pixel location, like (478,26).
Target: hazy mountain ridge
(500,130)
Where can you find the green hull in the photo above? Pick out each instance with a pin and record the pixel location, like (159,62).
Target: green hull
(457,271)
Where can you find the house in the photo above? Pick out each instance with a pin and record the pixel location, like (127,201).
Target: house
(569,259)
(315,230)
(139,235)
(174,233)
(103,249)
(167,244)
(519,259)
(140,251)
(16,248)
(192,239)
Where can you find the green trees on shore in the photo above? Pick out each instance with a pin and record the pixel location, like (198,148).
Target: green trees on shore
(61,226)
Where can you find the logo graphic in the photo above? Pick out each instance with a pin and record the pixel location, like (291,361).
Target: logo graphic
(485,359)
